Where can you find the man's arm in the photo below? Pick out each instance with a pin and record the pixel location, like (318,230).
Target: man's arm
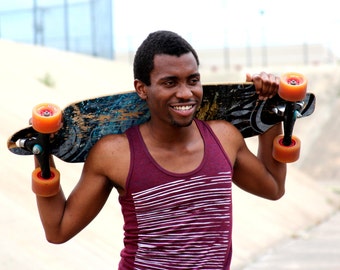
(63,218)
(261,175)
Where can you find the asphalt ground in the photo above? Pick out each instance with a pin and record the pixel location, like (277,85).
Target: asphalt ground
(316,248)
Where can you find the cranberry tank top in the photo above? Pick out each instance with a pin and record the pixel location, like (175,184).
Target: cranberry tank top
(177,221)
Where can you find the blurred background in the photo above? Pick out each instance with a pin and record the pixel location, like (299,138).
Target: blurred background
(234,33)
(61,51)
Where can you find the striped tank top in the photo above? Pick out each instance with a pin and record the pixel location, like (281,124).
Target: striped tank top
(177,221)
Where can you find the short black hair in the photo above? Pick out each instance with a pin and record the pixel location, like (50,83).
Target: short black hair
(159,42)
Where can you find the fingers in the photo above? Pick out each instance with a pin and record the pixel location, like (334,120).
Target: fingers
(266,85)
(249,78)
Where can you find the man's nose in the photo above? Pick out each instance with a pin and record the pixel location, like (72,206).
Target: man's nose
(184,91)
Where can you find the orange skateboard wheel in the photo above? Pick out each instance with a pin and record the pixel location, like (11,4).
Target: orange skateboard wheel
(286,154)
(45,187)
(293,87)
(46,118)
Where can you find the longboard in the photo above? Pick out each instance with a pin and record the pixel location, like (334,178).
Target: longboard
(85,122)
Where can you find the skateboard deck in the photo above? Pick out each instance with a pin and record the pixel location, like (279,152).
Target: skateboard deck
(85,122)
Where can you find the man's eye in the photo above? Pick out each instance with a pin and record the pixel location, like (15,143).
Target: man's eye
(169,83)
(194,81)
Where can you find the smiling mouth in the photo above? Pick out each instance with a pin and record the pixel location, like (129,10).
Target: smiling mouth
(183,108)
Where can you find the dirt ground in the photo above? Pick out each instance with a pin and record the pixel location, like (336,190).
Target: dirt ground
(30,75)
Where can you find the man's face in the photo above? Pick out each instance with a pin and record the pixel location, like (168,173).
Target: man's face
(175,92)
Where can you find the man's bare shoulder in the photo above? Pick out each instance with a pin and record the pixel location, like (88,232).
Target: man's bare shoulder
(110,157)
(223,128)
(113,143)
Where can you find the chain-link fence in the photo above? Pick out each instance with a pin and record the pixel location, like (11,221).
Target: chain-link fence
(82,26)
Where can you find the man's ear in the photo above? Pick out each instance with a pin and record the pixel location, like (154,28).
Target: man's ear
(141,89)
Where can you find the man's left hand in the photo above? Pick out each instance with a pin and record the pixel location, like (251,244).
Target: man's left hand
(266,85)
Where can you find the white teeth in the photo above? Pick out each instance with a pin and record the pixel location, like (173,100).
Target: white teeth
(182,108)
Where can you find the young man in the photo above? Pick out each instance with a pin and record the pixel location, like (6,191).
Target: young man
(173,173)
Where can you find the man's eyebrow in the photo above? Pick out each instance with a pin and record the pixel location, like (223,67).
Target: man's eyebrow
(171,77)
(197,74)
(165,78)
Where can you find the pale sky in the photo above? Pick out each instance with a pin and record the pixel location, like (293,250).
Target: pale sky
(217,23)
(220,23)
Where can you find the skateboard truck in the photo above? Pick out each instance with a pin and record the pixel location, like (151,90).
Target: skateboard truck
(292,89)
(46,120)
(40,147)
(290,115)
